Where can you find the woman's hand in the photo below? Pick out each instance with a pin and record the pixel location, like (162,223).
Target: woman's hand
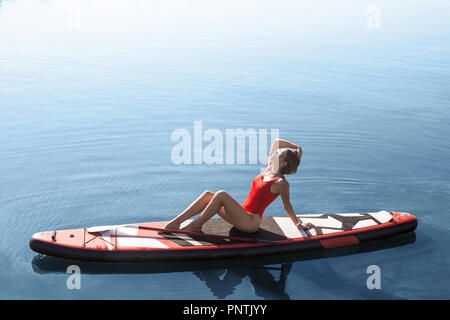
(305,225)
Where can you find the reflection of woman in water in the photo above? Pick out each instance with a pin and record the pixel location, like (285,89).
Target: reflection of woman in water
(284,159)
(263,282)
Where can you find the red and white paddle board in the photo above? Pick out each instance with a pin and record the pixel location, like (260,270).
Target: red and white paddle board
(141,242)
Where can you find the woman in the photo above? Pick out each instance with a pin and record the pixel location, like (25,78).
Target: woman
(284,159)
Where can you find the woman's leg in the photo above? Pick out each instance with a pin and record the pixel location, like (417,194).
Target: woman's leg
(230,210)
(195,208)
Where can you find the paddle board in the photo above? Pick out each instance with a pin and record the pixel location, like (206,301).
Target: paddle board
(144,242)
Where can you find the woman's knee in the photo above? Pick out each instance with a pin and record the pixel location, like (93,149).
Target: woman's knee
(208,194)
(220,194)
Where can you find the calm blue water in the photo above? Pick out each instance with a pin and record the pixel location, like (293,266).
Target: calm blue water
(90,93)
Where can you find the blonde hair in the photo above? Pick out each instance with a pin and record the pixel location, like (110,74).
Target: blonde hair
(293,161)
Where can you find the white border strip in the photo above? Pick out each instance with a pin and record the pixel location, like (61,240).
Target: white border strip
(289,229)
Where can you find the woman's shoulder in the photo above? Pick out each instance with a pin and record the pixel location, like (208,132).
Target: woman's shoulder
(282,182)
(280,186)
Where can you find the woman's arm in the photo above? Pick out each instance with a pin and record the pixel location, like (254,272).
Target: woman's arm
(285,197)
(280,143)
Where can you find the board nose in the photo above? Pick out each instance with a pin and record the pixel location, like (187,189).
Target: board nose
(43,236)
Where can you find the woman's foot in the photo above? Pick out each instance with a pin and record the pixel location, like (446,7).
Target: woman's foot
(191,227)
(172,225)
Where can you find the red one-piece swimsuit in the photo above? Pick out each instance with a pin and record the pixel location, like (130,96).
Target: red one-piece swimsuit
(260,195)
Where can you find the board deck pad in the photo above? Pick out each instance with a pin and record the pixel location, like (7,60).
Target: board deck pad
(269,230)
(282,228)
